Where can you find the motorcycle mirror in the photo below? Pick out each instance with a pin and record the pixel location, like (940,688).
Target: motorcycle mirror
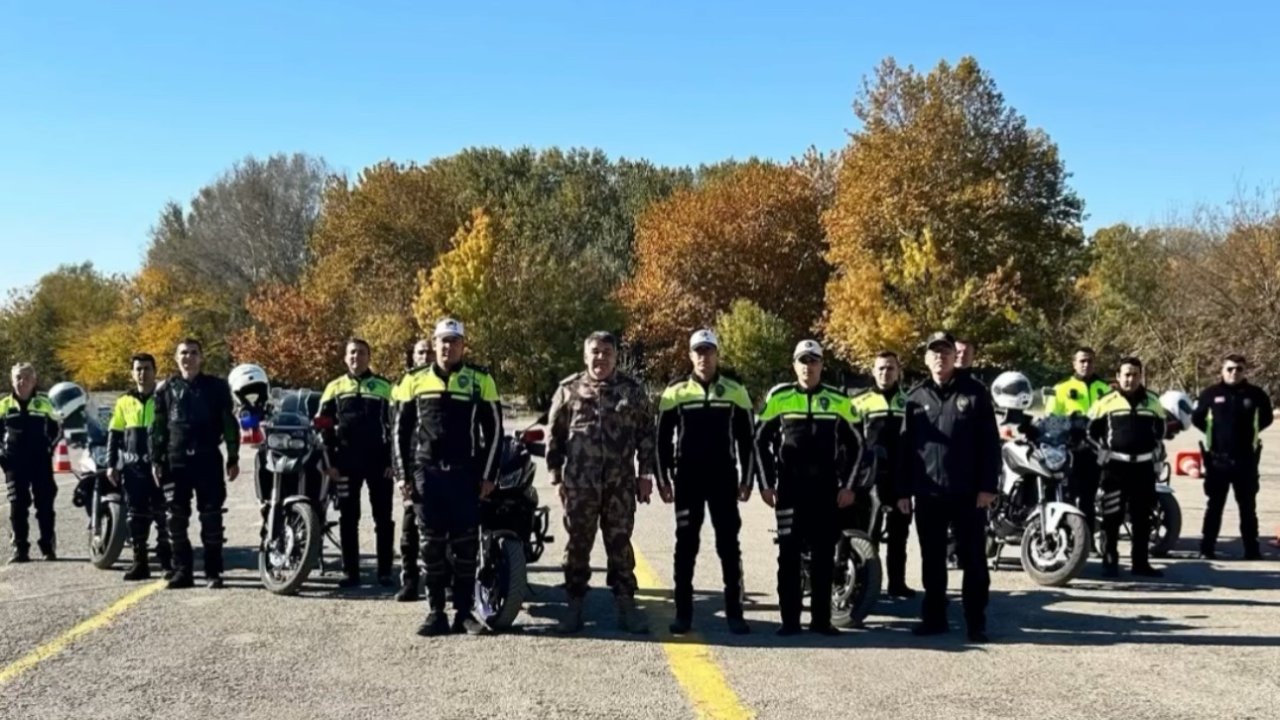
(322,422)
(532,435)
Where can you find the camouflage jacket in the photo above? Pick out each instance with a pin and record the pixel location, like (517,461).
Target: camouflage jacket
(600,429)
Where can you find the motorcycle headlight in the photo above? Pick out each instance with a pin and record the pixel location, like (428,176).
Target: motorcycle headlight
(1054,458)
(277,441)
(297,443)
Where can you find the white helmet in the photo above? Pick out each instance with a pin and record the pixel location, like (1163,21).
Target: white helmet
(1012,391)
(249,385)
(1179,406)
(68,398)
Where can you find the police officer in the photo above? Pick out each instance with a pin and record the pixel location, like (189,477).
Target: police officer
(129,461)
(1075,396)
(700,471)
(1232,415)
(359,445)
(194,414)
(28,433)
(951,464)
(880,410)
(1130,425)
(810,464)
(420,358)
(601,427)
(448,433)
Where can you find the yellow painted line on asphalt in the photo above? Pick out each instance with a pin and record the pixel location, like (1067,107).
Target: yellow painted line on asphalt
(102,619)
(694,667)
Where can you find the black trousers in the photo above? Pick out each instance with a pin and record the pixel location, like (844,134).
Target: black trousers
(806,524)
(448,513)
(696,493)
(1131,487)
(202,477)
(146,507)
(933,515)
(1085,475)
(409,541)
(381,489)
(25,483)
(1221,477)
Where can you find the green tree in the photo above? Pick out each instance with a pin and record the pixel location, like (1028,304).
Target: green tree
(756,344)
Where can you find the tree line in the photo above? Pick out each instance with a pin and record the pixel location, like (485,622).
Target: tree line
(944,210)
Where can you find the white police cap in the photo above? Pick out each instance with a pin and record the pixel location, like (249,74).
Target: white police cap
(807,347)
(449,328)
(702,338)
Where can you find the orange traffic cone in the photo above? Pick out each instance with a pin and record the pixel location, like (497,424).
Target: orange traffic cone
(1188,463)
(62,459)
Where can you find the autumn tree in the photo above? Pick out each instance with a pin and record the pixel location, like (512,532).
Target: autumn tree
(950,212)
(293,336)
(752,233)
(523,318)
(60,310)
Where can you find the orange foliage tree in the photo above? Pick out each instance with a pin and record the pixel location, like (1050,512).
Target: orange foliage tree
(752,232)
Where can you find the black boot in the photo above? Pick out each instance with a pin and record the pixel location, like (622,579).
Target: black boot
(408,590)
(183,559)
(164,554)
(20,554)
(47,548)
(139,570)
(434,625)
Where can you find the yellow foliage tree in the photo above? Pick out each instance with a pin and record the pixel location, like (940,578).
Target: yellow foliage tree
(949,213)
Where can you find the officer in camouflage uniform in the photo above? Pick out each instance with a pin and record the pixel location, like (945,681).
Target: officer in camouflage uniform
(602,423)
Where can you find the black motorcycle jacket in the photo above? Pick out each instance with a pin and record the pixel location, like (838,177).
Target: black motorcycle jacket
(29,430)
(810,437)
(881,414)
(705,429)
(128,429)
(1131,425)
(192,418)
(1232,418)
(360,407)
(450,418)
(950,444)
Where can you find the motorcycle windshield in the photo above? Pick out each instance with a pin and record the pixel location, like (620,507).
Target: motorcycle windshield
(1018,456)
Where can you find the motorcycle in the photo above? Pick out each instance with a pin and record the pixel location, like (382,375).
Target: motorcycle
(104,503)
(294,492)
(514,530)
(1032,509)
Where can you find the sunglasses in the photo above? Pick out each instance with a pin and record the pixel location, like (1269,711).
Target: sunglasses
(1233,368)
(810,360)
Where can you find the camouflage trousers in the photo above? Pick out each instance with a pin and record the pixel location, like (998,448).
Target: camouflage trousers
(611,506)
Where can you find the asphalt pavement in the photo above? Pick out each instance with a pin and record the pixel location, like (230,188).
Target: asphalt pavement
(79,642)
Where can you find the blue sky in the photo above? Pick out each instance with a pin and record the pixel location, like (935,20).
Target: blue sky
(107,110)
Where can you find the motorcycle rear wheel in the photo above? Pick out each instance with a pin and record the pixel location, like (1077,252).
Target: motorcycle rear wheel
(1074,535)
(858,582)
(106,541)
(1166,525)
(301,520)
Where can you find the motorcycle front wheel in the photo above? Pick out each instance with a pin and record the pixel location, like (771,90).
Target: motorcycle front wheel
(856,585)
(286,560)
(1060,555)
(106,541)
(503,587)
(1166,524)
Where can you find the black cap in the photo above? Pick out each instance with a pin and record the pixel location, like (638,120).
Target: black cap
(940,338)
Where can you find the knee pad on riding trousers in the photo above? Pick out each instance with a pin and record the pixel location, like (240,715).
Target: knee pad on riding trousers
(211,528)
(1111,503)
(465,550)
(433,554)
